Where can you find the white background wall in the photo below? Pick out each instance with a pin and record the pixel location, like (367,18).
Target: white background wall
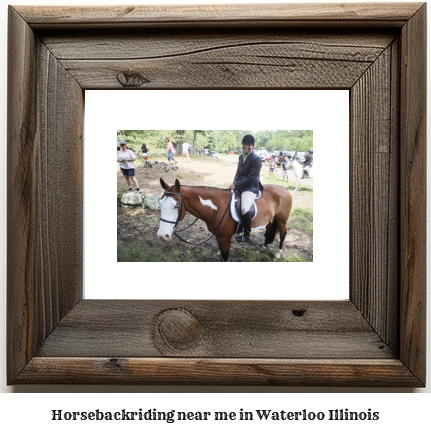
(398,410)
(326,112)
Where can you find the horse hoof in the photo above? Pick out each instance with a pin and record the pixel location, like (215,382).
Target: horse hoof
(264,248)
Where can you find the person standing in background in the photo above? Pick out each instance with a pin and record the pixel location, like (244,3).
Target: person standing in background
(186,148)
(272,167)
(127,158)
(285,165)
(144,152)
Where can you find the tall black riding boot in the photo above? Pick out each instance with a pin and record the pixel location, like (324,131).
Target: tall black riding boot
(246,223)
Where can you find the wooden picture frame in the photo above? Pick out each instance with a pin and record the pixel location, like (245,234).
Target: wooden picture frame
(376,338)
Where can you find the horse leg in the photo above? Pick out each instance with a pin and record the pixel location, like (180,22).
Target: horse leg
(224,245)
(282,229)
(271,230)
(265,245)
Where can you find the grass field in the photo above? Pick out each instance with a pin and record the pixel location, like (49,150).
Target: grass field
(137,227)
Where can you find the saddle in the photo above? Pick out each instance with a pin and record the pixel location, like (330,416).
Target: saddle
(235,206)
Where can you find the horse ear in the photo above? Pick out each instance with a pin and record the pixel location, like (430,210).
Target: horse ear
(177,185)
(164,185)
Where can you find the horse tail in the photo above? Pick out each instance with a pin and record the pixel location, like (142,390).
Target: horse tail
(271,232)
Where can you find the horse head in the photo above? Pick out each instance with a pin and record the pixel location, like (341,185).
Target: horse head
(172,209)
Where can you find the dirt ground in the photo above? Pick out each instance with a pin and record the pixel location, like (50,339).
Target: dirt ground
(137,226)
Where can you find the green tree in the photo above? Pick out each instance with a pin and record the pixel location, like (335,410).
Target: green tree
(301,140)
(220,140)
(262,138)
(203,135)
(294,140)
(228,142)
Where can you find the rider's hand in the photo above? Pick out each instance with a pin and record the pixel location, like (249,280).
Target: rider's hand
(232,186)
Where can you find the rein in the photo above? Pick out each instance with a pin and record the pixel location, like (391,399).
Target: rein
(179,215)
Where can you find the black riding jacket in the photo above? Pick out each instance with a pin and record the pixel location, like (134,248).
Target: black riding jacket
(308,161)
(248,173)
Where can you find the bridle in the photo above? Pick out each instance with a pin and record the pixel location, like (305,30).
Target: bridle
(183,204)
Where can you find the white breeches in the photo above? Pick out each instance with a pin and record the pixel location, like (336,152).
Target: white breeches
(247,199)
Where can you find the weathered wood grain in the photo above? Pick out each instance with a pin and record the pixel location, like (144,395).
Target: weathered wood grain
(374,195)
(376,338)
(334,372)
(22,200)
(45,125)
(201,72)
(263,15)
(232,329)
(163,44)
(207,60)
(59,184)
(413,194)
(392,301)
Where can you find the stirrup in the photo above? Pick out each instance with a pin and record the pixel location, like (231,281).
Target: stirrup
(242,238)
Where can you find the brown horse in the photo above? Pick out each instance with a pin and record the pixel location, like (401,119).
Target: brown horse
(211,205)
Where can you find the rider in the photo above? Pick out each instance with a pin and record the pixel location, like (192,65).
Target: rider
(308,163)
(247,182)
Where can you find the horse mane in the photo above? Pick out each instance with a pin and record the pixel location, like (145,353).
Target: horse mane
(206,187)
(199,187)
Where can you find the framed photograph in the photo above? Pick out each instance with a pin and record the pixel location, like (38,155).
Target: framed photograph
(376,337)
(130,243)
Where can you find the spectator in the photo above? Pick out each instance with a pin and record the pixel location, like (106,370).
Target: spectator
(285,165)
(186,148)
(126,158)
(144,151)
(272,167)
(170,150)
